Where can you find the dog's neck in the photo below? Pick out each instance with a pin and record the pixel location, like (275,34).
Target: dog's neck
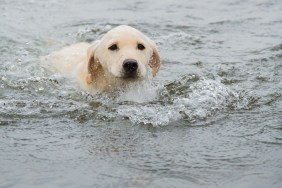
(100,79)
(104,81)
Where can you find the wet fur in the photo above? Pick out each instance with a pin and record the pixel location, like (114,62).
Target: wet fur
(97,68)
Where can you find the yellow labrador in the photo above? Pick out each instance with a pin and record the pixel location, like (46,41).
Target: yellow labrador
(123,55)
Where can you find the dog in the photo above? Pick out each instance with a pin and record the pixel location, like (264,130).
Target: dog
(123,55)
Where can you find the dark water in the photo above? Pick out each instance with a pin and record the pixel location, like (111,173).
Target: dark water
(212,118)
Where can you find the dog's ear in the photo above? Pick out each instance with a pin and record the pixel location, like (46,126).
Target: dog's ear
(155,61)
(92,62)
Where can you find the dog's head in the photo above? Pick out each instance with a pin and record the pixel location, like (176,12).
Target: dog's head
(124,53)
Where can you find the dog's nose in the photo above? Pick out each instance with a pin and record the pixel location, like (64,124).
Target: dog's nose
(130,65)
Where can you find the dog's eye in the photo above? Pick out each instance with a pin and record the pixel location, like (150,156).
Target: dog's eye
(113,47)
(140,46)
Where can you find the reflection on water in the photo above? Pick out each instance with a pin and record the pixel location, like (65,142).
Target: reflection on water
(211,118)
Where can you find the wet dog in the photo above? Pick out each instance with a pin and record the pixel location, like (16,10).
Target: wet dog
(123,55)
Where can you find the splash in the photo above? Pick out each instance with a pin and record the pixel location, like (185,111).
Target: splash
(190,98)
(198,101)
(139,93)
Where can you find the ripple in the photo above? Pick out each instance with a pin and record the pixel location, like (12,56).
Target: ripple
(178,39)
(276,48)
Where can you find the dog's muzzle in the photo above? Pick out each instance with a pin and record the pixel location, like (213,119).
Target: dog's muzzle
(130,67)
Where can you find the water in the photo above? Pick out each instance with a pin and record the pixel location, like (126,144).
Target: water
(212,117)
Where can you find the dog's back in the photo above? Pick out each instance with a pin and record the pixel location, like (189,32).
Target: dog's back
(67,60)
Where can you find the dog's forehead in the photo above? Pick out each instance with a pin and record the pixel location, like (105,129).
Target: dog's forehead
(124,29)
(124,33)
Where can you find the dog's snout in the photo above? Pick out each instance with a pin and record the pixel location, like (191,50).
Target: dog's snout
(130,65)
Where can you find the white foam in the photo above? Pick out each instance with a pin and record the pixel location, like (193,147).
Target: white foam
(139,93)
(150,114)
(206,97)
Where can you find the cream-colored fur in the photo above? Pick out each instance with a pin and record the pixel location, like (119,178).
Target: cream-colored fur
(97,67)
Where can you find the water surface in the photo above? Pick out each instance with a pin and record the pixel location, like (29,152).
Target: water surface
(212,117)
